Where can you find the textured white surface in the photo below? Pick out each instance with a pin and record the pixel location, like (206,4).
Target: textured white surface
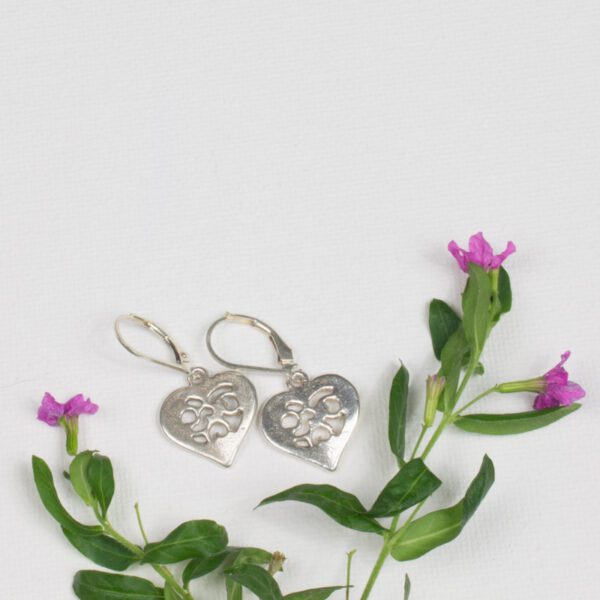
(306,162)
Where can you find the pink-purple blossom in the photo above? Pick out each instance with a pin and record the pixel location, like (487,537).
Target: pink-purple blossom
(479,253)
(553,389)
(51,411)
(558,390)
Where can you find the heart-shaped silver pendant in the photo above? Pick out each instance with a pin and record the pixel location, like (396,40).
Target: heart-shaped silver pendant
(210,416)
(314,419)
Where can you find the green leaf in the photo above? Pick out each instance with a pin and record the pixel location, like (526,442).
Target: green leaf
(79,479)
(413,483)
(257,580)
(511,423)
(189,540)
(442,526)
(241,556)
(397,413)
(443,322)
(406,587)
(97,585)
(341,506)
(44,483)
(504,291)
(103,550)
(101,480)
(476,303)
(315,593)
(453,359)
(198,567)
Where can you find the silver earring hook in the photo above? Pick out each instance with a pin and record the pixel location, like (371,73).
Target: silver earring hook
(285,356)
(181,359)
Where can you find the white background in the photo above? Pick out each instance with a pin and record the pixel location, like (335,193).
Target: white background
(307,163)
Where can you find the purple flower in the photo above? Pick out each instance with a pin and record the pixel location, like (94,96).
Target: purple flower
(479,253)
(51,411)
(553,389)
(66,415)
(558,390)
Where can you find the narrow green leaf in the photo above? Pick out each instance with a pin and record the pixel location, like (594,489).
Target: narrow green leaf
(202,565)
(97,585)
(101,480)
(442,526)
(189,540)
(44,482)
(103,550)
(241,556)
(476,303)
(79,479)
(512,423)
(397,412)
(453,359)
(315,593)
(257,580)
(504,291)
(443,322)
(341,506)
(413,483)
(406,587)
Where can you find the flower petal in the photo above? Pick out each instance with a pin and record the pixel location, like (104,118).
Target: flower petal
(78,405)
(500,258)
(460,256)
(50,411)
(566,394)
(480,252)
(543,401)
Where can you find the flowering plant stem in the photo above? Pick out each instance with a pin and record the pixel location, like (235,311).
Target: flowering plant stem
(394,532)
(160,569)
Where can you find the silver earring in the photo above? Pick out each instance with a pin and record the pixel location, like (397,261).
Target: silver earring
(209,416)
(315,417)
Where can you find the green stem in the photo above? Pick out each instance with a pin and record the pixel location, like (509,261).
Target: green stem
(136,506)
(476,399)
(393,535)
(350,555)
(160,569)
(424,429)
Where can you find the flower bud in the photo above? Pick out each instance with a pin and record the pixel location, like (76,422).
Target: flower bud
(276,564)
(434,388)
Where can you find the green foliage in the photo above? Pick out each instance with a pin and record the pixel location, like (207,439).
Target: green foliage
(476,304)
(101,480)
(397,413)
(413,483)
(406,587)
(314,594)
(198,567)
(257,580)
(79,478)
(512,423)
(504,292)
(191,539)
(243,556)
(442,526)
(98,585)
(103,550)
(443,322)
(341,506)
(44,482)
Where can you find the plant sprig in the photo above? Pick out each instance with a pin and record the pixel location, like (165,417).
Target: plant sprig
(203,545)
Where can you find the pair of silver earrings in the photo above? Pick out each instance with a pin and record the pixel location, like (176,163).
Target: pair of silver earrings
(312,420)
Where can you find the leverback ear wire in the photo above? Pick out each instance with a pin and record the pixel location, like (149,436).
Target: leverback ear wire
(285,357)
(182,362)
